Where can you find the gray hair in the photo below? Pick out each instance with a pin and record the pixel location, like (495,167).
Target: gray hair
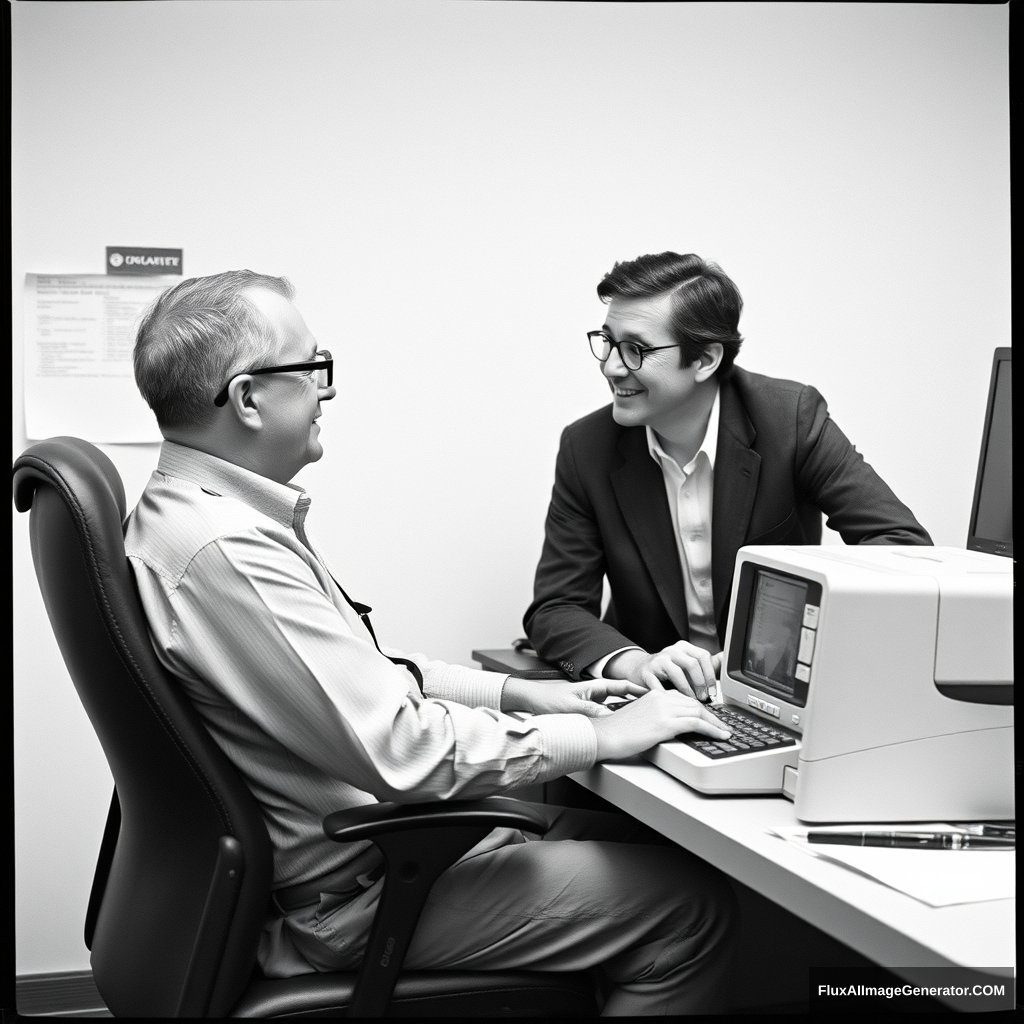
(195,337)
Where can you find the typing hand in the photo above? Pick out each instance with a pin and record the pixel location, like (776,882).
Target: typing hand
(684,666)
(546,697)
(657,716)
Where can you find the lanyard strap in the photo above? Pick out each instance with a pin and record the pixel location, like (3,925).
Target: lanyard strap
(363,611)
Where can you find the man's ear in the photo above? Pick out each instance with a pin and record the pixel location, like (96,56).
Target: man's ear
(710,360)
(245,402)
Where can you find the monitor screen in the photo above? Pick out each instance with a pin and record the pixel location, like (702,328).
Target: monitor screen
(991,527)
(773,635)
(773,630)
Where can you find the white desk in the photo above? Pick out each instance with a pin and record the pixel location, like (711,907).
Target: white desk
(886,926)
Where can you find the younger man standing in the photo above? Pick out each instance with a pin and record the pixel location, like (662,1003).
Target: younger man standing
(694,458)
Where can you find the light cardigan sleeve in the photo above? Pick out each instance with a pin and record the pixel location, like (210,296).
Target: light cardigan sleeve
(255,623)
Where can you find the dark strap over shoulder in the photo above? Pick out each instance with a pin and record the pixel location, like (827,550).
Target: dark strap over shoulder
(363,611)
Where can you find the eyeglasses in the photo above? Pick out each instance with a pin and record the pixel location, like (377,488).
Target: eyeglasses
(323,364)
(631,354)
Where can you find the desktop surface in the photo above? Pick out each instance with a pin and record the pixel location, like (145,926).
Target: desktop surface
(887,926)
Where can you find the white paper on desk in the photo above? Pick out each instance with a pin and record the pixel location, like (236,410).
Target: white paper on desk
(79,334)
(939,878)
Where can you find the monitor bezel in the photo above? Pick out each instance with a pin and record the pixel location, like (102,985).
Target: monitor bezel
(974,542)
(741,622)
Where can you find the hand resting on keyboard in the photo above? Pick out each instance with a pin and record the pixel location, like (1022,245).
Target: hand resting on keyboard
(749,734)
(657,716)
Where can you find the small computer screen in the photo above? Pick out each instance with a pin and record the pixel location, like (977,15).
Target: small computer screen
(773,631)
(991,527)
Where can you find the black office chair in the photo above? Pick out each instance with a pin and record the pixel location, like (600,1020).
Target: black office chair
(183,881)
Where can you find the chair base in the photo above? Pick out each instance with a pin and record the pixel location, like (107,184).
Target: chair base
(428,994)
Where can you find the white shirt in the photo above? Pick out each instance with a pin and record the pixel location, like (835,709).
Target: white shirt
(689,491)
(244,613)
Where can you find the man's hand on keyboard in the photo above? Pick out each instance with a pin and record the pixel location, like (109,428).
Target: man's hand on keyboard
(657,716)
(547,697)
(688,668)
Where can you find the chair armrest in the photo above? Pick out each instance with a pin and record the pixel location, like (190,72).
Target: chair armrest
(419,842)
(378,819)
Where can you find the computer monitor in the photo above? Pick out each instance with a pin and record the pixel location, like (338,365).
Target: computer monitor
(883,663)
(991,527)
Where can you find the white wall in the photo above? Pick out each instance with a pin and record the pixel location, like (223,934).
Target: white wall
(445,183)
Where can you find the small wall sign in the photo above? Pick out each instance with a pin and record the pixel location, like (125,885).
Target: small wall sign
(127,259)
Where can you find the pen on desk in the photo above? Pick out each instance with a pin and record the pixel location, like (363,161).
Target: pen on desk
(912,840)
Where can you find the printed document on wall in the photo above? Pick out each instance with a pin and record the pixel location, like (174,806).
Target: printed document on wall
(79,334)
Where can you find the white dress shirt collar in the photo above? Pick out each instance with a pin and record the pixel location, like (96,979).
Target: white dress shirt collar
(709,445)
(281,502)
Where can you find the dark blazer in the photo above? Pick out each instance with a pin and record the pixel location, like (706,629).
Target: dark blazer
(781,462)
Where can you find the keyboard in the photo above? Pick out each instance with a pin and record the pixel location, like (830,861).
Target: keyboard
(715,767)
(749,733)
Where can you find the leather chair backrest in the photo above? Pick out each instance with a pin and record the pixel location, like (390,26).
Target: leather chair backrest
(188,885)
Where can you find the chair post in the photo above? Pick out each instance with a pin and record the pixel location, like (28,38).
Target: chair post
(413,860)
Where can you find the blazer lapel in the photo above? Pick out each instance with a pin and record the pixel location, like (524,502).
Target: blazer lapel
(736,472)
(640,491)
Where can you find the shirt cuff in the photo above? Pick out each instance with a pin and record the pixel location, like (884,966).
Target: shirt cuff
(569,744)
(596,671)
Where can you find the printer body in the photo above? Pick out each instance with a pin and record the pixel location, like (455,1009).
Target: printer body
(891,667)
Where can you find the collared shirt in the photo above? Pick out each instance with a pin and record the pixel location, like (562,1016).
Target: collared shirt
(689,491)
(244,613)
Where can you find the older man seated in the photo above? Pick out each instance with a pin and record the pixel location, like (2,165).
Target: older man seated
(318,716)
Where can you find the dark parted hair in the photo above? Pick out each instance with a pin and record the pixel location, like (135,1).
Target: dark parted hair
(195,337)
(706,305)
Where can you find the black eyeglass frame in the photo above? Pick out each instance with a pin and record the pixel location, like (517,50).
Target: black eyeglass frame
(617,345)
(326,363)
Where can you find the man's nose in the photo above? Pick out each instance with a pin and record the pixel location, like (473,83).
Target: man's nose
(326,394)
(613,366)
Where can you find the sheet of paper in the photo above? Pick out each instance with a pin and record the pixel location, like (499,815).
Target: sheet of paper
(939,878)
(79,333)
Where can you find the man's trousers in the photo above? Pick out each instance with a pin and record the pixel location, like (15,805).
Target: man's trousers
(598,891)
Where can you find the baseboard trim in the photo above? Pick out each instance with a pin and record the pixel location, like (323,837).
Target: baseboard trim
(60,994)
